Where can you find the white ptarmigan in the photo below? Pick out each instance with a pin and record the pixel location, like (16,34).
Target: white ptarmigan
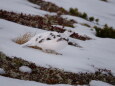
(50,41)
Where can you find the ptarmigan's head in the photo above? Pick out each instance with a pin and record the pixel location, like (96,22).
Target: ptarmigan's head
(68,32)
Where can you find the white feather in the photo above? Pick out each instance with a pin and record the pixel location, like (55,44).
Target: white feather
(49,40)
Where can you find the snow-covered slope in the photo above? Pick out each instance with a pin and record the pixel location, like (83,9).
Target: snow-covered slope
(16,82)
(105,11)
(74,59)
(21,6)
(96,53)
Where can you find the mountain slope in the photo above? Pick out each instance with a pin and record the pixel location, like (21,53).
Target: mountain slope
(97,53)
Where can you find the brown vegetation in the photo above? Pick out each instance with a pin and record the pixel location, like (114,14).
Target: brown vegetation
(48,6)
(50,75)
(41,22)
(23,38)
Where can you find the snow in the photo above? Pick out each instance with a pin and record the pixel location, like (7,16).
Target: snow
(22,6)
(96,53)
(105,11)
(73,59)
(16,82)
(99,83)
(2,71)
(68,61)
(25,69)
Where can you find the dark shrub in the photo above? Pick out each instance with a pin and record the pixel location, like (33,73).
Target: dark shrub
(91,19)
(84,15)
(105,32)
(97,20)
(74,11)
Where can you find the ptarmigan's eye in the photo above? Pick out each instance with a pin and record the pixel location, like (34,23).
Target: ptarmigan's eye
(48,39)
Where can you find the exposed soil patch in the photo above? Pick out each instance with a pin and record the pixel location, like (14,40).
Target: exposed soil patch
(50,75)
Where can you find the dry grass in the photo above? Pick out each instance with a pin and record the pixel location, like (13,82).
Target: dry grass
(23,38)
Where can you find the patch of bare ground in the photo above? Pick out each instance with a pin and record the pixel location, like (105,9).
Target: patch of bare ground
(50,75)
(44,23)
